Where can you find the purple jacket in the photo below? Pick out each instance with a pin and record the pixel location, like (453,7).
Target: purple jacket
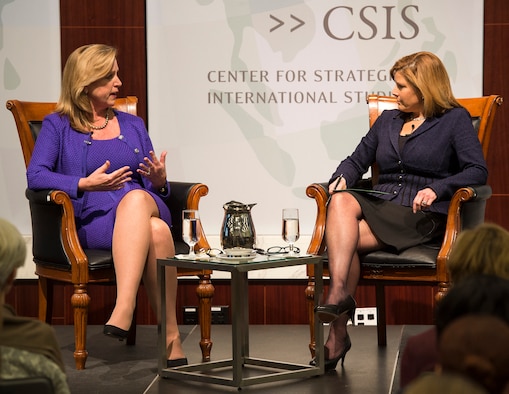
(444,154)
(63,155)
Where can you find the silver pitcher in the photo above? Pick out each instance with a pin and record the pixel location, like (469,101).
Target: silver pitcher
(238,230)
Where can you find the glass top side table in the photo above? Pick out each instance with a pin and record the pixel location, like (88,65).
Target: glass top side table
(203,372)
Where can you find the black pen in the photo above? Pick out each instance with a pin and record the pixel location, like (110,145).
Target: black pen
(335,189)
(337,182)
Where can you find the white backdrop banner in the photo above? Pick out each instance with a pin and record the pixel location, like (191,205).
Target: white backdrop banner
(259,98)
(30,69)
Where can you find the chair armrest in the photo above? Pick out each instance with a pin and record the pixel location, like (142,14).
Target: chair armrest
(54,237)
(186,195)
(319,192)
(466,210)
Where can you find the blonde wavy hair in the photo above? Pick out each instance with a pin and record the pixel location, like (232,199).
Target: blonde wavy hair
(12,251)
(426,73)
(85,65)
(483,250)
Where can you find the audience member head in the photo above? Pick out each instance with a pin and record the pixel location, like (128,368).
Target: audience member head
(482,250)
(477,348)
(450,383)
(12,253)
(482,295)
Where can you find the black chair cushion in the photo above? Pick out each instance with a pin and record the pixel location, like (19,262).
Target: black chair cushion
(35,128)
(98,259)
(421,256)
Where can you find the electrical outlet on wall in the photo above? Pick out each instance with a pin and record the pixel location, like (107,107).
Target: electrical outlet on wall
(365,317)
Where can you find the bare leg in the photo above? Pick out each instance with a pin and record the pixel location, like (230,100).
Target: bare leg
(162,247)
(347,234)
(139,238)
(131,242)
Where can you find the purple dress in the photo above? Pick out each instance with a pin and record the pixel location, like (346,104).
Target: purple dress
(63,155)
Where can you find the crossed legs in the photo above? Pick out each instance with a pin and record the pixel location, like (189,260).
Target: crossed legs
(139,238)
(347,234)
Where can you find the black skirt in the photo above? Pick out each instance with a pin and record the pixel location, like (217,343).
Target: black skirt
(397,226)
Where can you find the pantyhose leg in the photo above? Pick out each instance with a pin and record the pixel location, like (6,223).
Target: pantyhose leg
(347,234)
(139,238)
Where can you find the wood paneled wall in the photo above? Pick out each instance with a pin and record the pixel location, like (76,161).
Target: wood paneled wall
(496,54)
(122,23)
(119,23)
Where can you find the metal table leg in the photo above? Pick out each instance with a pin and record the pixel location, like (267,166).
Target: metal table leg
(240,323)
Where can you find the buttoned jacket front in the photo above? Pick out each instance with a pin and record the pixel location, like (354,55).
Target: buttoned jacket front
(444,154)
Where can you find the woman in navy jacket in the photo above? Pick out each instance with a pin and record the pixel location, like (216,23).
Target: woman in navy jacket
(425,150)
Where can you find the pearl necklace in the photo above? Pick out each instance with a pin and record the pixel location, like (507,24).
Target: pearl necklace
(417,119)
(105,123)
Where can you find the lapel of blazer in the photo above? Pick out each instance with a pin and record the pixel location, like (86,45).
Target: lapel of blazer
(394,134)
(398,124)
(425,126)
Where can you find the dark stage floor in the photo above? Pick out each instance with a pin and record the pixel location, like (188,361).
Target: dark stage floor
(113,367)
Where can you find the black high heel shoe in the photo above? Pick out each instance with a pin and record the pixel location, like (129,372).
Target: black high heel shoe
(115,332)
(331,364)
(329,312)
(178,362)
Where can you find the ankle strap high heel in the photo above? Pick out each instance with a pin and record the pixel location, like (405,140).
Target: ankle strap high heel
(329,312)
(331,364)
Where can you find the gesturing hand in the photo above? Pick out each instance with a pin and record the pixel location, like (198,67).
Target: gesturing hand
(100,180)
(154,169)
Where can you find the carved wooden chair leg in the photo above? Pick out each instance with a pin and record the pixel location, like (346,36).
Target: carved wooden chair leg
(205,292)
(310,299)
(45,300)
(443,288)
(80,301)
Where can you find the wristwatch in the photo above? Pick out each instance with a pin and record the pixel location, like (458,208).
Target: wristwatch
(164,189)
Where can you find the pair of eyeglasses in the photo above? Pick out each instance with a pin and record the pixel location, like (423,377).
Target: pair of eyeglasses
(272,250)
(211,252)
(278,250)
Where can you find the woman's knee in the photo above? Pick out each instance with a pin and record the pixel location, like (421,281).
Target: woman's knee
(137,199)
(160,231)
(344,203)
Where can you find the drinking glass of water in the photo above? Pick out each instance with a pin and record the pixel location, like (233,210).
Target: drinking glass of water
(191,228)
(291,231)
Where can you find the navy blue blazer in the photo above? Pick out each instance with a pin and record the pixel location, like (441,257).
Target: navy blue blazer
(444,154)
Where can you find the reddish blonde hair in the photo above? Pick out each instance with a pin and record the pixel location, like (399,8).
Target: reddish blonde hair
(426,73)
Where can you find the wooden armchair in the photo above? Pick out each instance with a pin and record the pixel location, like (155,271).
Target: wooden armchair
(419,264)
(58,255)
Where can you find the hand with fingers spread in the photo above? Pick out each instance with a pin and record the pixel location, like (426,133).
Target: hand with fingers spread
(154,169)
(100,180)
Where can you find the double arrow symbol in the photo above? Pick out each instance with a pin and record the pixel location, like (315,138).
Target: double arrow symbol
(281,23)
